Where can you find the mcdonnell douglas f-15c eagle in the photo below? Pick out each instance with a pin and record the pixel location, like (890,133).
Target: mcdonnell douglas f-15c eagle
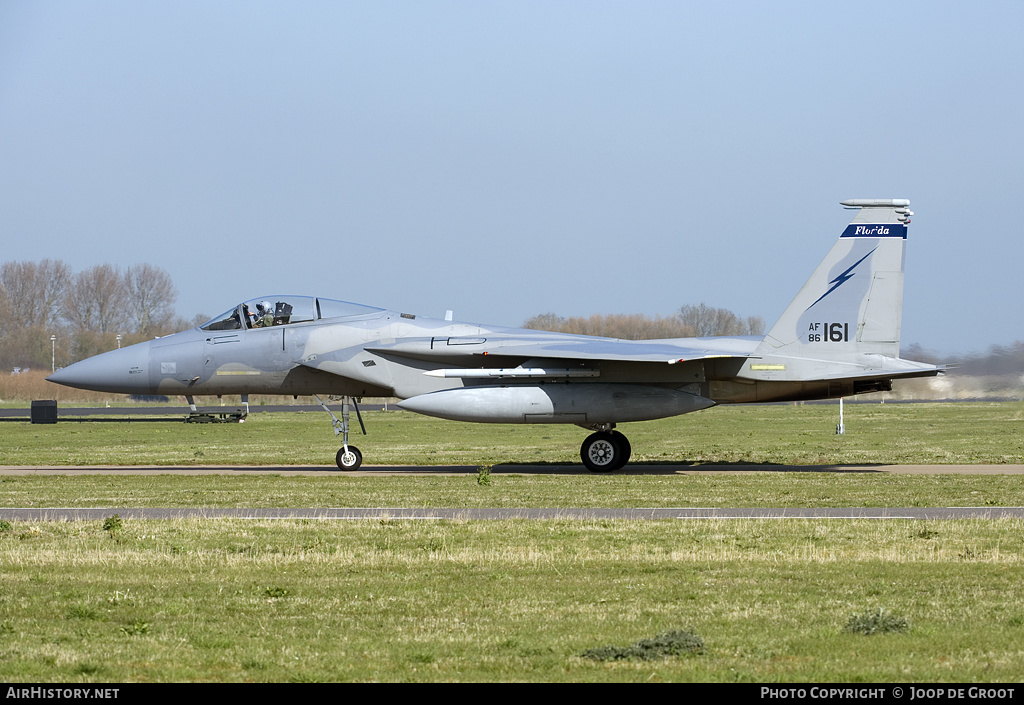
(839,337)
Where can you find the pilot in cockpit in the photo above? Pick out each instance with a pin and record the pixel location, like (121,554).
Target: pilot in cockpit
(264,314)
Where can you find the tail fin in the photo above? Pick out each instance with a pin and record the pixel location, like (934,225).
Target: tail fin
(853,303)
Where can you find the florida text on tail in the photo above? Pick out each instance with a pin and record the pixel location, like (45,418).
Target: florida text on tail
(839,337)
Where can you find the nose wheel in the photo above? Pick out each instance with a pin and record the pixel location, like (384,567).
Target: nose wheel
(605,451)
(348,457)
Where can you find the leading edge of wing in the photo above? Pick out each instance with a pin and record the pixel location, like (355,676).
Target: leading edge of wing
(573,348)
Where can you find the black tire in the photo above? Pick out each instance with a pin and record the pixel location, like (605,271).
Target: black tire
(604,452)
(627,448)
(350,461)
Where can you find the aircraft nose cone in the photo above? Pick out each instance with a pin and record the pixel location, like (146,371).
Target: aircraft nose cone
(124,371)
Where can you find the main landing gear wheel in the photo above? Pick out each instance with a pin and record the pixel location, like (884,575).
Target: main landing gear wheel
(605,451)
(349,459)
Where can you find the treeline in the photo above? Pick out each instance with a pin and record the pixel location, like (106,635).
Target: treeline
(1000,360)
(997,361)
(84,312)
(688,322)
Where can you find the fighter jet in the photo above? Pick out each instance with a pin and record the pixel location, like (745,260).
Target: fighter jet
(839,337)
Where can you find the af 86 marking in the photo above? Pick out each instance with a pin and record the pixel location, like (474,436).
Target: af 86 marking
(828,333)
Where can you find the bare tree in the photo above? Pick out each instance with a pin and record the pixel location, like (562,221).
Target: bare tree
(35,292)
(706,321)
(689,321)
(755,325)
(545,321)
(41,299)
(97,300)
(635,326)
(5,305)
(152,294)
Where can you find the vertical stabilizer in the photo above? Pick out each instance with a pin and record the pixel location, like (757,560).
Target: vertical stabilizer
(853,303)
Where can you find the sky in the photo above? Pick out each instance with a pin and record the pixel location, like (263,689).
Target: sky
(508,159)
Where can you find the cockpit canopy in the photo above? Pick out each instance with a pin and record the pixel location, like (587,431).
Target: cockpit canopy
(268,311)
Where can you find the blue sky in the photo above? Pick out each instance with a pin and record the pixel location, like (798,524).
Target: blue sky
(506,159)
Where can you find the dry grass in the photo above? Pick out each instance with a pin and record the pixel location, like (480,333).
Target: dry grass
(240,600)
(26,386)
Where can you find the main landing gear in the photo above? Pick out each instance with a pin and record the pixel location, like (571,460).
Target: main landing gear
(605,451)
(348,457)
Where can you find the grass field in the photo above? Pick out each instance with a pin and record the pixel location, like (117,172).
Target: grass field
(782,434)
(231,600)
(387,600)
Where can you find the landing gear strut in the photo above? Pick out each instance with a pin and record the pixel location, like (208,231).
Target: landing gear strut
(348,457)
(605,451)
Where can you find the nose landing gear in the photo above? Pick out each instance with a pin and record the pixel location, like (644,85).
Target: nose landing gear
(348,457)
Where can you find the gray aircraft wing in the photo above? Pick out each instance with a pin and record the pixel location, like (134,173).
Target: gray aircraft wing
(568,347)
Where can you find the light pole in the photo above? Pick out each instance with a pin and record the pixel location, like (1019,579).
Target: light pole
(53,353)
